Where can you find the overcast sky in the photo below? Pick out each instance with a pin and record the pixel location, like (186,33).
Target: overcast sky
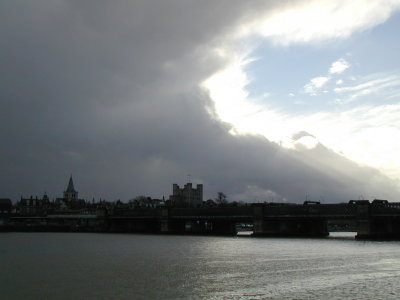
(261,100)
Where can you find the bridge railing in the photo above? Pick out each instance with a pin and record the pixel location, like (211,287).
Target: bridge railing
(242,211)
(310,210)
(137,212)
(338,209)
(390,208)
(268,210)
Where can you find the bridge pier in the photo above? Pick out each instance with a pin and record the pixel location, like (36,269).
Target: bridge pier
(259,224)
(165,226)
(375,226)
(288,226)
(363,217)
(379,228)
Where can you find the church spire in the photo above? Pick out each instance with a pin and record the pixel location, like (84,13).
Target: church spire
(70,187)
(70,194)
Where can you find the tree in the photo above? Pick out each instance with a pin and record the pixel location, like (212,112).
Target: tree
(221,198)
(137,201)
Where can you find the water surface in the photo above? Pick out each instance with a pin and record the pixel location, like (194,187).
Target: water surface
(129,266)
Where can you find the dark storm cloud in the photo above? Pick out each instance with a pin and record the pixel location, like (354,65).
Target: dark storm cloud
(109,91)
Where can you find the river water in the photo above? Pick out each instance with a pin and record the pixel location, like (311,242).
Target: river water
(130,266)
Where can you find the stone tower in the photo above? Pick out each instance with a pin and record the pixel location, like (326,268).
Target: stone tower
(187,196)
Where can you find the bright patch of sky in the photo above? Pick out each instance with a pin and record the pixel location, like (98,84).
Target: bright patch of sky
(311,78)
(338,82)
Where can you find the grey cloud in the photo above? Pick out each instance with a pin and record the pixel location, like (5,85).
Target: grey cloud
(109,92)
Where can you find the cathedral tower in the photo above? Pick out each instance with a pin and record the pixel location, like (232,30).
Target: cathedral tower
(70,194)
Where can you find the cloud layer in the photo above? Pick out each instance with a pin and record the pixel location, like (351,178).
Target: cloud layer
(112,94)
(315,21)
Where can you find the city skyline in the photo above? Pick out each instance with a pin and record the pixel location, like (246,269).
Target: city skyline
(185,194)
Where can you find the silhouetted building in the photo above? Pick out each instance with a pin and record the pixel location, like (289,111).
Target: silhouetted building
(186,196)
(148,202)
(5,206)
(33,205)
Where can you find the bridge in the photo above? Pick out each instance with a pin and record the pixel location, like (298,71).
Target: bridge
(380,219)
(377,220)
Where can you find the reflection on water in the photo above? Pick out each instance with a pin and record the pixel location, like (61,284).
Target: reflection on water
(342,235)
(128,266)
